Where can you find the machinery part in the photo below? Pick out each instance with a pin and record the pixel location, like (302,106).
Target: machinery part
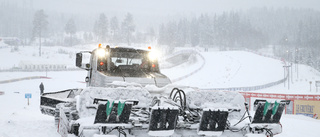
(117,113)
(163,120)
(213,122)
(122,64)
(268,112)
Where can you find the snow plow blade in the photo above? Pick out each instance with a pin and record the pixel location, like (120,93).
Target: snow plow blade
(163,121)
(213,122)
(48,101)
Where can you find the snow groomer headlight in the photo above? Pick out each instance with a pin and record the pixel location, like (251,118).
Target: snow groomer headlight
(101,52)
(153,55)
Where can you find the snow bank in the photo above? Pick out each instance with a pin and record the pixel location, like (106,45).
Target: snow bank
(215,99)
(119,93)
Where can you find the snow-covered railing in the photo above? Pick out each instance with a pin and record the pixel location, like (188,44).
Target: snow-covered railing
(38,70)
(252,88)
(25,78)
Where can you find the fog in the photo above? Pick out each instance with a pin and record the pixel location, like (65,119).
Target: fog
(162,7)
(288,25)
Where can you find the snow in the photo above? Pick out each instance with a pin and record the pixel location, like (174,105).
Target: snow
(161,133)
(230,69)
(221,69)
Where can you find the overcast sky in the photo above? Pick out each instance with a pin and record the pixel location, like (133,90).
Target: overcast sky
(163,7)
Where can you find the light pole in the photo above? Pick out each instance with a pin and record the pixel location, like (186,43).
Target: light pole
(284,76)
(297,61)
(46,71)
(288,76)
(287,55)
(291,72)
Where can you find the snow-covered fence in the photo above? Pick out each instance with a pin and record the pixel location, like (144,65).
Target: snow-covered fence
(252,88)
(25,78)
(38,66)
(17,69)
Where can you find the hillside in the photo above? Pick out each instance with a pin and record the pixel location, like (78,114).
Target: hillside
(220,69)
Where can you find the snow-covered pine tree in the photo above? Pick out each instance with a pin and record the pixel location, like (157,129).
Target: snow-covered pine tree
(101,28)
(127,28)
(39,25)
(114,29)
(70,29)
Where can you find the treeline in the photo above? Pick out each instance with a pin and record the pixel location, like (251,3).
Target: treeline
(228,30)
(294,33)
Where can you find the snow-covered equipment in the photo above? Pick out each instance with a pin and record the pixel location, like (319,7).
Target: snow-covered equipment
(122,64)
(267,117)
(126,95)
(213,121)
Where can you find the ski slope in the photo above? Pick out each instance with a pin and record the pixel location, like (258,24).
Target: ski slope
(221,69)
(230,69)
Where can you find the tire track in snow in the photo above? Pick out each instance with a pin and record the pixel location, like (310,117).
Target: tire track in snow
(237,71)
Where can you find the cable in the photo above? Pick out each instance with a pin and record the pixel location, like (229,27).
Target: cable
(179,96)
(120,130)
(268,132)
(243,118)
(182,99)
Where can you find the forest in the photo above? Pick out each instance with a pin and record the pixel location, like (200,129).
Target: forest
(293,33)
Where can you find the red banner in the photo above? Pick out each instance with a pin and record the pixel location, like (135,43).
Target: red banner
(281,96)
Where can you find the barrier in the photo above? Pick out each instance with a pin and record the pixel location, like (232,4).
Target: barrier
(25,78)
(308,105)
(38,70)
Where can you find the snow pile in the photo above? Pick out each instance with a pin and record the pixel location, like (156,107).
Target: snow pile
(215,99)
(2,44)
(111,94)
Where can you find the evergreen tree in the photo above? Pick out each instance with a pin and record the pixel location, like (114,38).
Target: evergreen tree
(162,38)
(127,28)
(114,28)
(194,32)
(171,30)
(101,28)
(182,32)
(39,25)
(70,29)
(151,35)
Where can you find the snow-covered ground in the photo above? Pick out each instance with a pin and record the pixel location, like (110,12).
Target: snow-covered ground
(221,69)
(230,69)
